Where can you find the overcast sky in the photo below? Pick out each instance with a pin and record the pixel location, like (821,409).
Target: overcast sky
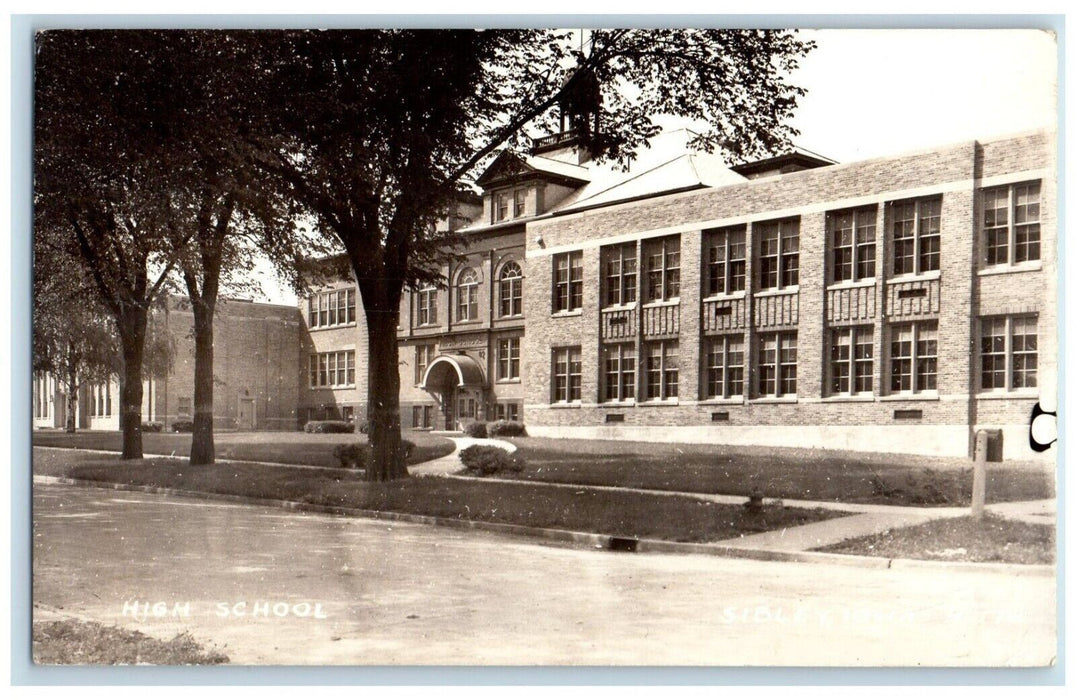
(874,93)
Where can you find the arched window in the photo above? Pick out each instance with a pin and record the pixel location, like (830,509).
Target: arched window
(511,289)
(467,296)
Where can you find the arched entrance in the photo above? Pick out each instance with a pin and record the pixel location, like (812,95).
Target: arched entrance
(458,382)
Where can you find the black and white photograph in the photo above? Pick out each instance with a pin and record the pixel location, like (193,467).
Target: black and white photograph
(616,345)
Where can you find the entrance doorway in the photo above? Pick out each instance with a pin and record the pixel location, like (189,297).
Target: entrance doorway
(246,413)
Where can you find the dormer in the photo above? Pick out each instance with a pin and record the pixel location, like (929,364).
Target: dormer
(519,187)
(795,161)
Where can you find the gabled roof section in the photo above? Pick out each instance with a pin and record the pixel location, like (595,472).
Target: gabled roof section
(798,159)
(509,166)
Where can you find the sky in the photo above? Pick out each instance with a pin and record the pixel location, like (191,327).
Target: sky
(873,93)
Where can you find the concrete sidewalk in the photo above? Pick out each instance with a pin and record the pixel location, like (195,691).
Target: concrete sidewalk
(827,532)
(451,464)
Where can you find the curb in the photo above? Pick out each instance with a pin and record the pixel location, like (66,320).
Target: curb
(608,542)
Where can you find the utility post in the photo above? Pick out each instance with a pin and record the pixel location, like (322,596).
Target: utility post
(978,483)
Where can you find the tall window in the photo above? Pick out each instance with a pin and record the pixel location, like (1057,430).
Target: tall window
(329,369)
(467,296)
(183,406)
(519,203)
(851,360)
(331,308)
(427,306)
(501,211)
(777,364)
(1009,353)
(916,236)
(422,416)
(567,374)
(724,367)
(1011,223)
(662,369)
(851,235)
(726,266)
(508,358)
(423,356)
(618,368)
(779,254)
(568,281)
(913,358)
(662,268)
(510,287)
(621,274)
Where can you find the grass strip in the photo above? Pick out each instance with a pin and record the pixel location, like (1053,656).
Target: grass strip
(89,643)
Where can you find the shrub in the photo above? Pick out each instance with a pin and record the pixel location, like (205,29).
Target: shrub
(182,426)
(329,426)
(506,428)
(152,427)
(488,460)
(476,429)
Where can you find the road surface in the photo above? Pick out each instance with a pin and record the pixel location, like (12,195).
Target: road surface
(275,587)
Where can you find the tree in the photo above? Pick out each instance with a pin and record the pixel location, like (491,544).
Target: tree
(380,129)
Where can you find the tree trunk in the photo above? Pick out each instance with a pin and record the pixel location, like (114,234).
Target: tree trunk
(386,459)
(202,447)
(132,331)
(72,402)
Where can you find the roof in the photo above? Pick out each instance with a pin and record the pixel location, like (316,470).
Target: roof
(798,159)
(459,367)
(510,165)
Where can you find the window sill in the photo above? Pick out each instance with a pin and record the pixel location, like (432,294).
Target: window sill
(779,291)
(513,380)
(620,307)
(857,284)
(336,326)
(618,403)
(659,402)
(792,398)
(730,401)
(1019,394)
(658,303)
(921,277)
(427,326)
(730,296)
(562,404)
(567,314)
(849,398)
(332,387)
(926,396)
(469,322)
(1035,266)
(513,317)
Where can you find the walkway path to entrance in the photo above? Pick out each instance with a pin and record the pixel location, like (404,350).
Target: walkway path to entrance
(451,464)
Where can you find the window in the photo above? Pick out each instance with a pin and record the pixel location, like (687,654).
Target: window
(851,234)
(331,308)
(916,236)
(913,358)
(507,411)
(662,258)
(567,374)
(183,407)
(501,212)
(620,274)
(1009,353)
(724,367)
(618,372)
(467,295)
(332,369)
(779,254)
(422,416)
(508,358)
(777,365)
(427,306)
(568,281)
(662,369)
(101,401)
(511,289)
(726,266)
(1011,223)
(423,356)
(520,203)
(851,360)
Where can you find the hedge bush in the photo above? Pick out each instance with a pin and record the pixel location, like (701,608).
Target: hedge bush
(153,427)
(488,460)
(476,429)
(356,455)
(329,426)
(182,426)
(506,428)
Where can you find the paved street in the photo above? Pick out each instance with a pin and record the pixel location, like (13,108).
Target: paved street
(276,587)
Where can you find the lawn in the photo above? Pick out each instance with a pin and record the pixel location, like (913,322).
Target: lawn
(992,539)
(73,642)
(284,447)
(778,472)
(626,514)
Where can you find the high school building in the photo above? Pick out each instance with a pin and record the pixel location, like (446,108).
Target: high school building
(892,305)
